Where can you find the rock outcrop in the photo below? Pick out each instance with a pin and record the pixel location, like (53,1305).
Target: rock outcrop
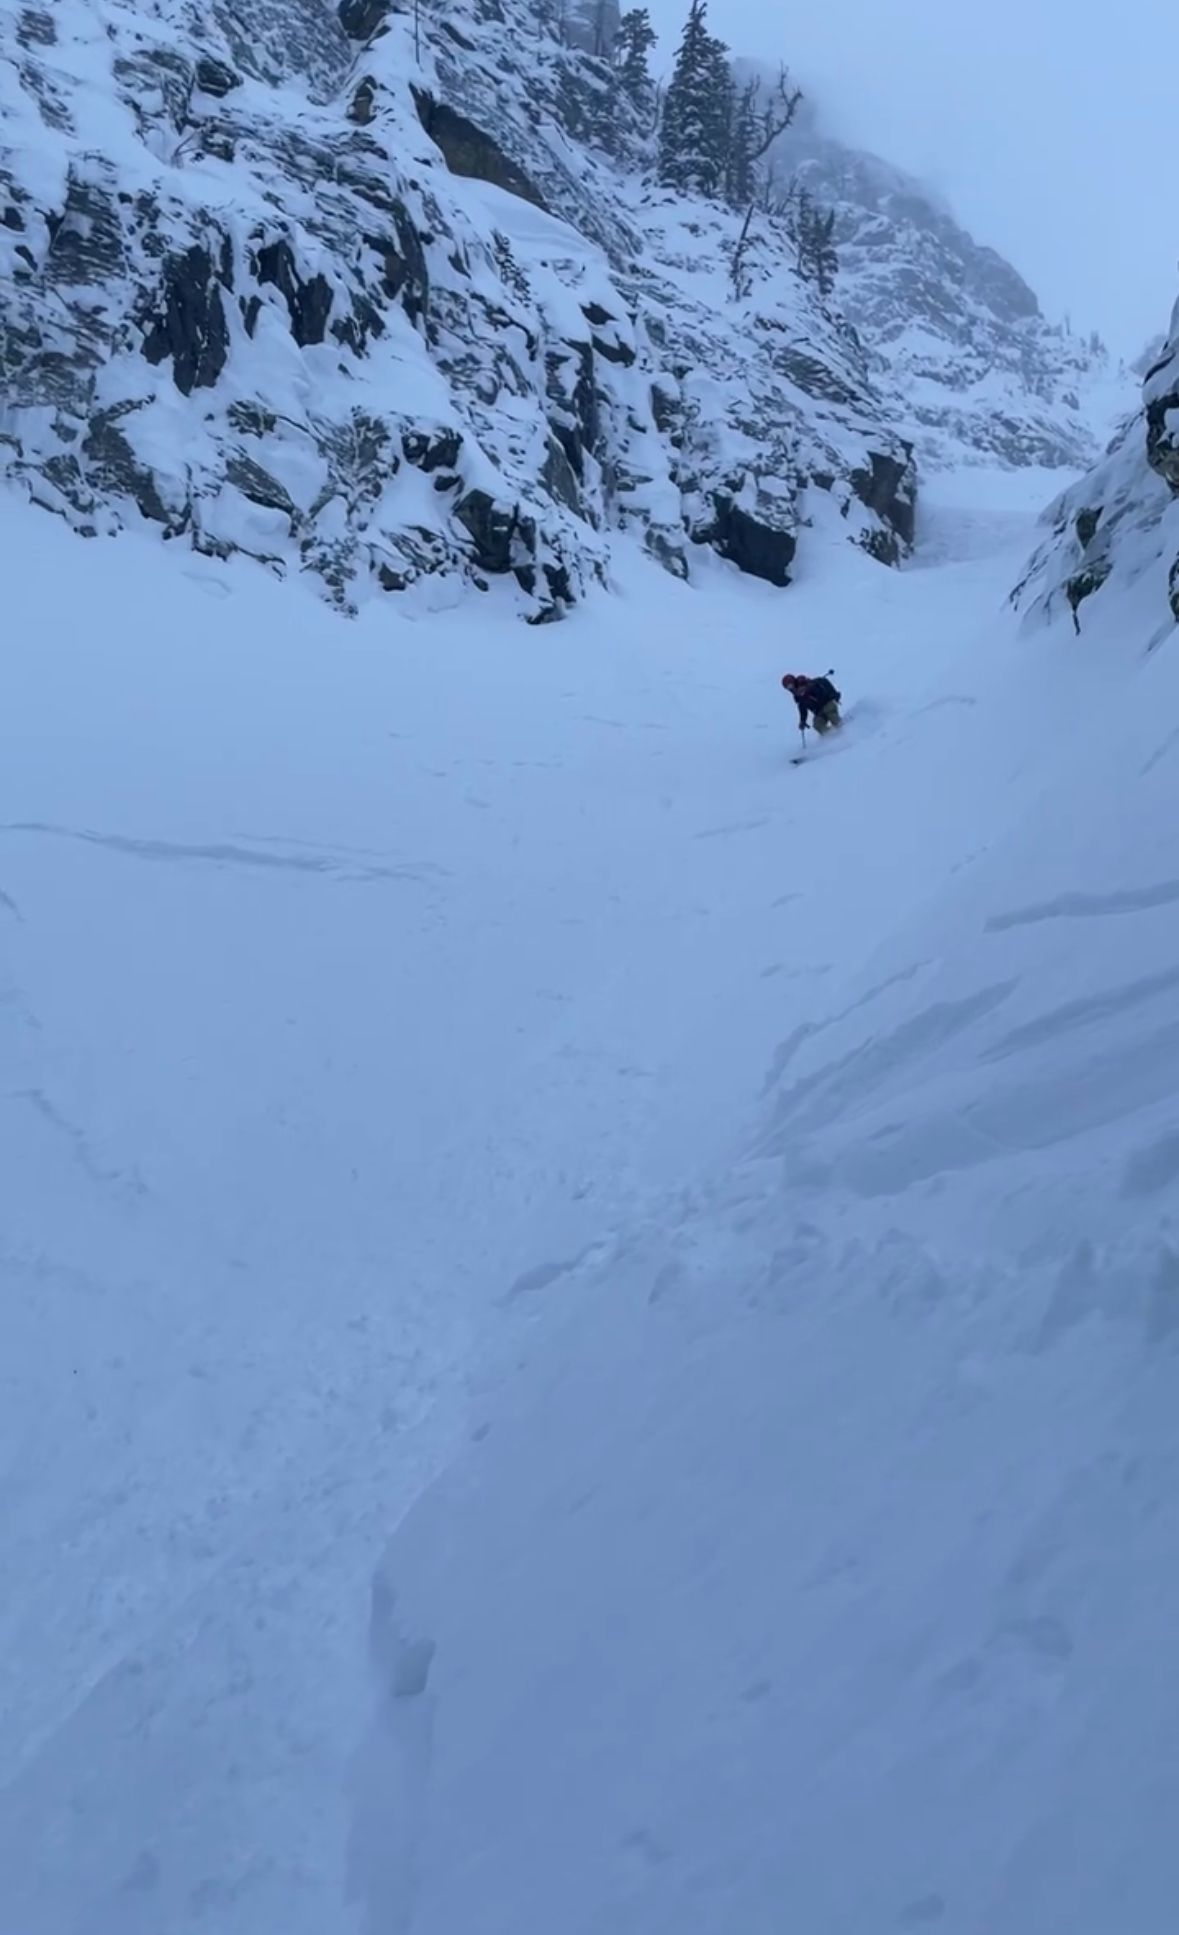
(386,298)
(1120,525)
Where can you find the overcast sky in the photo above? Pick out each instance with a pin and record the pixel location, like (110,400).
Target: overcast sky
(1049,124)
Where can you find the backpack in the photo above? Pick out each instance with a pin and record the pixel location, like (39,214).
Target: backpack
(821,692)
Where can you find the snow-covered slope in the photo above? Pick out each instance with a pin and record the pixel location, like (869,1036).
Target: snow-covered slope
(819,1571)
(1116,532)
(973,371)
(384,1015)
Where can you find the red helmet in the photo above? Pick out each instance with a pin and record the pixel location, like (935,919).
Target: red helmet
(791,679)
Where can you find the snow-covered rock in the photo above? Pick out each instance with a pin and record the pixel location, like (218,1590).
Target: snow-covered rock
(386,298)
(272,293)
(1120,524)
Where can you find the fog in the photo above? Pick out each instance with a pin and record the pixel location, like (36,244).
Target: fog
(1047,124)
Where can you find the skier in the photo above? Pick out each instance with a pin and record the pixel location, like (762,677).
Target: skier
(817,700)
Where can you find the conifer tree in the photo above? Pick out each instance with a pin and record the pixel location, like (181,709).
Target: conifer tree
(814,243)
(696,127)
(741,172)
(632,48)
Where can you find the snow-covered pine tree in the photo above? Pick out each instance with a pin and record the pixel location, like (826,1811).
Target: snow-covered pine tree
(723,95)
(814,243)
(632,48)
(741,171)
(696,127)
(826,255)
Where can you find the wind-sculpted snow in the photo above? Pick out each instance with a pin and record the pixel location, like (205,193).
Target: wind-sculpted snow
(836,1510)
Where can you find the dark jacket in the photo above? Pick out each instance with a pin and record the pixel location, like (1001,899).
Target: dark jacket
(812,697)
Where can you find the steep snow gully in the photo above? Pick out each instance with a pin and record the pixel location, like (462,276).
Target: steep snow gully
(589,1317)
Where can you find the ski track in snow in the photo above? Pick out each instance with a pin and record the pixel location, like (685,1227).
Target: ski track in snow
(751,1461)
(223,854)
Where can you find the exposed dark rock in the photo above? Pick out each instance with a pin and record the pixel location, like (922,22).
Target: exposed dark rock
(86,239)
(361,18)
(813,376)
(35,28)
(888,487)
(363,102)
(405,276)
(557,579)
(218,141)
(259,486)
(251,419)
(667,410)
(419,553)
(431,451)
(501,537)
(48,96)
(216,77)
(614,351)
(667,552)
(575,418)
(753,546)
(64,472)
(191,329)
(1083,584)
(1086,526)
(1162,417)
(881,544)
(362,322)
(114,467)
(471,151)
(558,477)
(309,303)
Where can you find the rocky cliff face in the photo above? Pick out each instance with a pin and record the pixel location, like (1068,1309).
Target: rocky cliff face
(383,298)
(955,337)
(1119,527)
